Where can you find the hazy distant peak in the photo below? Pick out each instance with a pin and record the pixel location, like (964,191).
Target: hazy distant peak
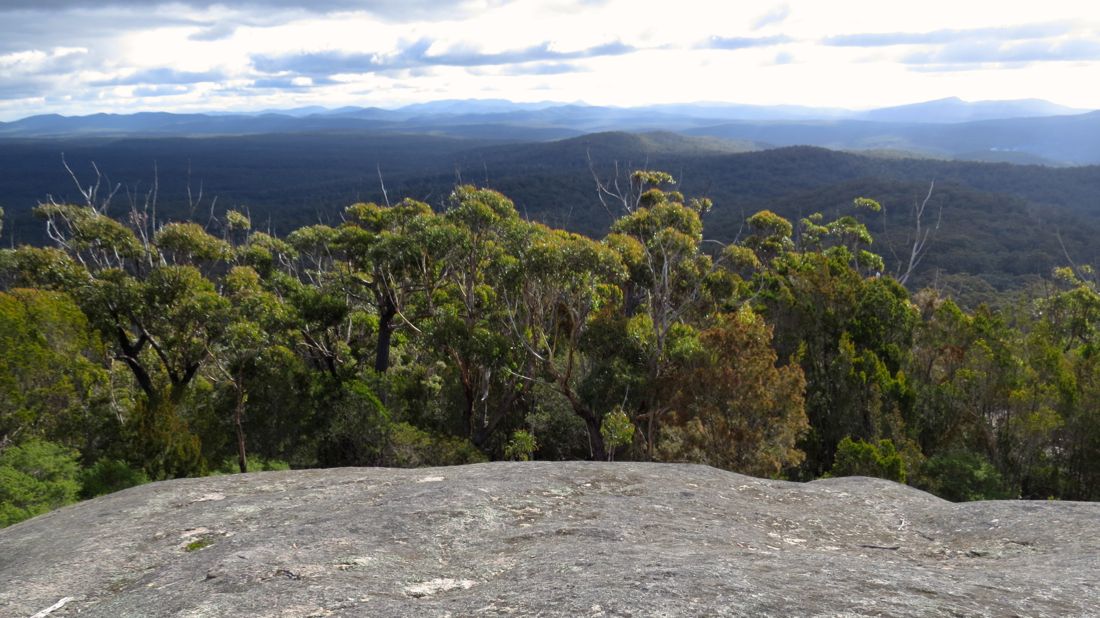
(954,109)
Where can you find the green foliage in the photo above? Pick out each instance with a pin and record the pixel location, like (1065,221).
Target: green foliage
(355,427)
(237,221)
(403,337)
(521,446)
(617,431)
(36,477)
(410,447)
(962,476)
(163,442)
(734,408)
(52,382)
(108,476)
(255,464)
(866,203)
(189,243)
(859,458)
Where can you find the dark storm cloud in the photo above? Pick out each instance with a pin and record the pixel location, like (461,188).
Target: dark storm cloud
(416,55)
(938,37)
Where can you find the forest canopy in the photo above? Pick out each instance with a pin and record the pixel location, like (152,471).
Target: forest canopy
(140,349)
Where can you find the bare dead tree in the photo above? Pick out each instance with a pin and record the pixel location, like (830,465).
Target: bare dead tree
(381,182)
(1083,273)
(91,195)
(629,197)
(921,236)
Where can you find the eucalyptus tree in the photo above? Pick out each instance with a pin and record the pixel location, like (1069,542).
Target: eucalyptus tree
(153,303)
(469,323)
(552,301)
(399,256)
(669,287)
(849,332)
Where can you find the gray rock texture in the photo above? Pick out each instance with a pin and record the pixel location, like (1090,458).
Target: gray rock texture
(548,539)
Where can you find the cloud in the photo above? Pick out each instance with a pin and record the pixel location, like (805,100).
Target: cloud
(542,68)
(388,10)
(57,61)
(162,76)
(718,42)
(1023,52)
(15,89)
(292,83)
(777,15)
(98,30)
(938,37)
(217,32)
(417,54)
(160,91)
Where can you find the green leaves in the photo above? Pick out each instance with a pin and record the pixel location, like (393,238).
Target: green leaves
(859,458)
(36,477)
(52,382)
(189,243)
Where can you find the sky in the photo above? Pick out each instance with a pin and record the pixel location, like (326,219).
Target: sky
(77,57)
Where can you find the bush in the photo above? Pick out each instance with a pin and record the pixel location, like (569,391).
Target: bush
(36,477)
(616,430)
(962,476)
(859,458)
(356,426)
(255,464)
(521,447)
(162,440)
(108,476)
(411,447)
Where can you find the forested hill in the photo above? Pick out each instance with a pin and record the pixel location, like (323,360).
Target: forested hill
(999,222)
(137,349)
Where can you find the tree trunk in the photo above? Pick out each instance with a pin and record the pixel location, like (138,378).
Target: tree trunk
(595,438)
(238,414)
(386,314)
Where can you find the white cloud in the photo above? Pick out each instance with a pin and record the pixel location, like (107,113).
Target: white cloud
(84,56)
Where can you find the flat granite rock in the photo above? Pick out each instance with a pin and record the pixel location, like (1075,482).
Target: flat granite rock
(548,539)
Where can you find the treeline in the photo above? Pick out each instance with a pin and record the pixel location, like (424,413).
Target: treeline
(1001,225)
(142,350)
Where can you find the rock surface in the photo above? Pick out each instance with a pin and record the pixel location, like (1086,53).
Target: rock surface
(548,539)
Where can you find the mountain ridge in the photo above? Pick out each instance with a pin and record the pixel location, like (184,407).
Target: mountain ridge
(971,131)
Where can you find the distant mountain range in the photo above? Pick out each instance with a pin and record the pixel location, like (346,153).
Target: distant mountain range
(1020,131)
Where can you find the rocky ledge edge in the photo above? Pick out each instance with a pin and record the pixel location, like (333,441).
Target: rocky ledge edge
(548,539)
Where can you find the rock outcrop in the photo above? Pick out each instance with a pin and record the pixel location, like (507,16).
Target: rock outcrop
(548,539)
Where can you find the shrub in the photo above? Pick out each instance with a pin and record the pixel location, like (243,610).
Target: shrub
(108,476)
(36,477)
(521,447)
(859,458)
(255,464)
(616,430)
(411,447)
(962,476)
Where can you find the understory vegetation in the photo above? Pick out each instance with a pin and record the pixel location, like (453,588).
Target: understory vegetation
(140,350)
